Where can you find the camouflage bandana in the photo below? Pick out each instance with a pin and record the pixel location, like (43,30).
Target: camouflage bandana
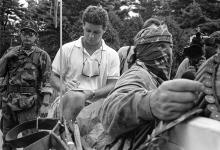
(156,60)
(153,34)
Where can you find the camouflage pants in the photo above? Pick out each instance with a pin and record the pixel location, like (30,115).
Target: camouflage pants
(11,119)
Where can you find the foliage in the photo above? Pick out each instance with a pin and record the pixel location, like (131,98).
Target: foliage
(72,26)
(180,40)
(181,16)
(111,37)
(188,15)
(210,26)
(192,15)
(147,9)
(129,30)
(10,12)
(210,8)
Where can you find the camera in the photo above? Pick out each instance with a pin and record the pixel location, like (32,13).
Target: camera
(195,49)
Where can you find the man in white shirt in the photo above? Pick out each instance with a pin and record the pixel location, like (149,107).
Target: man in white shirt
(90,68)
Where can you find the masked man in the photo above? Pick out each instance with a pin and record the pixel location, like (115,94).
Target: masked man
(126,52)
(26,71)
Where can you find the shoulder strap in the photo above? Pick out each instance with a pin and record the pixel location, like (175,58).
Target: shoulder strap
(123,63)
(129,48)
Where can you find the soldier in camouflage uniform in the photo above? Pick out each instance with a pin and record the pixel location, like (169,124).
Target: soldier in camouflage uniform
(26,71)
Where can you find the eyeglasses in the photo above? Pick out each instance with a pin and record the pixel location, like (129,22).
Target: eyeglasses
(28,33)
(91,67)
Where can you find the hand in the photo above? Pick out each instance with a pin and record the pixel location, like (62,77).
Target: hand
(175,97)
(71,85)
(45,105)
(201,61)
(44,111)
(88,94)
(12,52)
(191,69)
(65,88)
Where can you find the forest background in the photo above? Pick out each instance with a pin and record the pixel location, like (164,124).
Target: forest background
(181,16)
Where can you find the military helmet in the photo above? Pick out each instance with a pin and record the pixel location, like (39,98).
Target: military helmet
(29,24)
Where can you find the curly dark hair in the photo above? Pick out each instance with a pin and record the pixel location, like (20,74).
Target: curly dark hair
(96,15)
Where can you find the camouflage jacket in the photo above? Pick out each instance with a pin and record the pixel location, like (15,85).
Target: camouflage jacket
(27,78)
(123,120)
(125,114)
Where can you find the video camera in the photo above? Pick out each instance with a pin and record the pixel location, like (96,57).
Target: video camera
(195,48)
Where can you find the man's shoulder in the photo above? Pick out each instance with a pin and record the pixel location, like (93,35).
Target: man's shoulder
(71,45)
(74,43)
(40,50)
(112,54)
(124,49)
(110,50)
(139,70)
(139,75)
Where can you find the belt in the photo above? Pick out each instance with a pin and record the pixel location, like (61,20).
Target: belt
(21,89)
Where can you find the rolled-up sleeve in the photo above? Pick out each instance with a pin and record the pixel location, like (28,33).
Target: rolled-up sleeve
(56,62)
(45,64)
(128,106)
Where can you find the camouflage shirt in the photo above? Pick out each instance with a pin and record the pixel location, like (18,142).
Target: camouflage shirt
(27,77)
(123,120)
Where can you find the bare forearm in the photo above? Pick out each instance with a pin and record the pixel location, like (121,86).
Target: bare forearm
(55,82)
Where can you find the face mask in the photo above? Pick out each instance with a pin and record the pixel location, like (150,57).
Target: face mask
(157,59)
(168,66)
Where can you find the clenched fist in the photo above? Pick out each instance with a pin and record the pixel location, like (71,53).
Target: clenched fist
(173,98)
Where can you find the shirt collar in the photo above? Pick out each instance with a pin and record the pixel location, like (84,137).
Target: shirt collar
(28,52)
(78,43)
